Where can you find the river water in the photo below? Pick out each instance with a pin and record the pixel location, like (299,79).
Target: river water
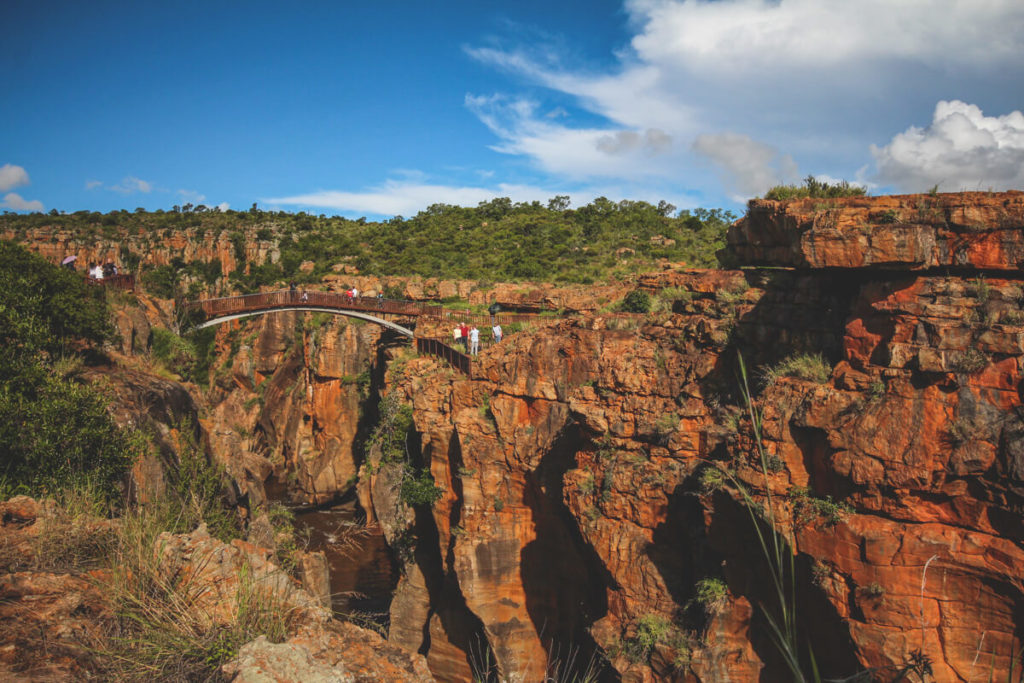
(363,574)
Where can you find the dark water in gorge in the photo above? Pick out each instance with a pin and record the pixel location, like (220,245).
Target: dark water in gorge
(363,573)
(363,576)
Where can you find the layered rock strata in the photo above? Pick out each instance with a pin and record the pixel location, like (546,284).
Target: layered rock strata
(596,472)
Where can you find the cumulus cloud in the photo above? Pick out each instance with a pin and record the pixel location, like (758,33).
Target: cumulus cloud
(132,184)
(572,152)
(223,206)
(755,35)
(817,80)
(12,176)
(93,184)
(15,202)
(748,167)
(961,149)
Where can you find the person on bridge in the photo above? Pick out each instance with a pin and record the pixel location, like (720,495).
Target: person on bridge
(464,334)
(355,293)
(305,296)
(474,341)
(496,330)
(457,335)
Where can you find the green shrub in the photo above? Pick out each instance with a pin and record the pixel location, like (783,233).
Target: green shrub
(711,593)
(814,188)
(419,489)
(806,366)
(198,485)
(637,301)
(653,630)
(392,430)
(809,508)
(161,282)
(55,432)
(172,350)
(711,479)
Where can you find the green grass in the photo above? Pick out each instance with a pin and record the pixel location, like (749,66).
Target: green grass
(806,366)
(814,188)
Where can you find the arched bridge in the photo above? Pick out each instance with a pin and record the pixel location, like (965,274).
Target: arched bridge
(371,309)
(228,308)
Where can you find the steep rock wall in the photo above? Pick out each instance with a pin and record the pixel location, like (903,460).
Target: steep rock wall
(577,503)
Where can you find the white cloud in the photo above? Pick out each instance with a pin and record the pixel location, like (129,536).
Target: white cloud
(572,152)
(16,203)
(93,184)
(191,196)
(817,80)
(12,176)
(962,149)
(408,198)
(132,184)
(749,167)
(761,35)
(223,206)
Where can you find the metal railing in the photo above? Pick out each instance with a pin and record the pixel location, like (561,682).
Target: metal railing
(262,301)
(291,298)
(436,347)
(122,281)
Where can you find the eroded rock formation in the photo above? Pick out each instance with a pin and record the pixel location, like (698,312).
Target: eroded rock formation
(574,463)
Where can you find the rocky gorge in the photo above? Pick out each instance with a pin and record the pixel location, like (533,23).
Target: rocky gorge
(604,487)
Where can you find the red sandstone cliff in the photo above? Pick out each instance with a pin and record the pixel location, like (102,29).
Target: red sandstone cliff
(576,503)
(578,508)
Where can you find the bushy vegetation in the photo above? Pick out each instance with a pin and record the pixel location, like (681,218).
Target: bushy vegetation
(807,366)
(55,431)
(808,508)
(637,301)
(653,630)
(711,594)
(815,188)
(189,356)
(497,240)
(391,436)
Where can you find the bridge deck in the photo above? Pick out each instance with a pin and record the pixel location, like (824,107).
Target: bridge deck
(234,306)
(265,301)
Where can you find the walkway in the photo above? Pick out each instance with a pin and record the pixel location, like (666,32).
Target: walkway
(372,309)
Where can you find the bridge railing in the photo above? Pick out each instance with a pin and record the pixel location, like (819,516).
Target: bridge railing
(262,301)
(436,347)
(287,298)
(123,281)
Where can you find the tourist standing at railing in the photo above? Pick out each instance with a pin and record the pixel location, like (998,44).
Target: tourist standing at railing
(457,335)
(474,341)
(464,333)
(496,330)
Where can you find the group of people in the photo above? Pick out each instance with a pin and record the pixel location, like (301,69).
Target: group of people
(98,271)
(469,337)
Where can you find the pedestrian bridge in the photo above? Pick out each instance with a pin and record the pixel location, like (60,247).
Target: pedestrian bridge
(371,309)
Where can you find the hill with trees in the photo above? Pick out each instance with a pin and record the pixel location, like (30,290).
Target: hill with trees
(496,241)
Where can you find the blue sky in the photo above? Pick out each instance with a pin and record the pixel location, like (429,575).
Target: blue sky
(383,108)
